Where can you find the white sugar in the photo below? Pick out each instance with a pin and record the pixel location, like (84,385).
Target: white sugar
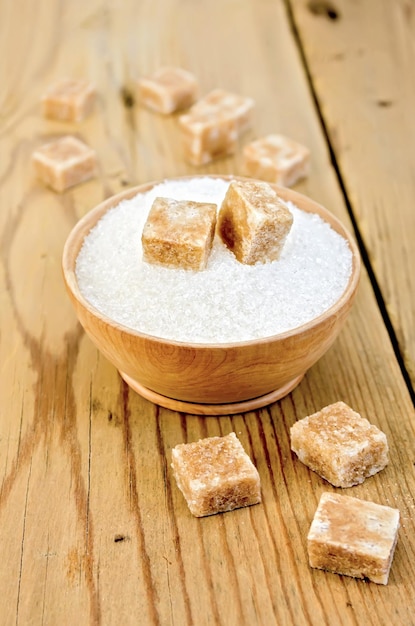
(227,302)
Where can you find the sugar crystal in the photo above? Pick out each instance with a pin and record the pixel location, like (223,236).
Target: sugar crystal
(228,301)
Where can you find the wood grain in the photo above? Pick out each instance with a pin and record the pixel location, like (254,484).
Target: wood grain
(93,529)
(361,61)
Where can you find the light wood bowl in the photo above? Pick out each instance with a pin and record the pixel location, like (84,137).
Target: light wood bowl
(209,379)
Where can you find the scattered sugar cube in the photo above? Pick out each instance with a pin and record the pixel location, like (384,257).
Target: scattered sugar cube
(212,126)
(253,222)
(168,90)
(65,162)
(69,100)
(353,537)
(276,159)
(215,475)
(340,445)
(179,233)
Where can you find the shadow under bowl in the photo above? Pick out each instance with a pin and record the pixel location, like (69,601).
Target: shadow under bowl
(210,379)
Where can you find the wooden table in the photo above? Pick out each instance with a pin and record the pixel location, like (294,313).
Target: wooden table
(93,529)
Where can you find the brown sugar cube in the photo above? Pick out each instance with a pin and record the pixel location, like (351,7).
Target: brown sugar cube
(64,163)
(69,100)
(211,128)
(253,222)
(215,475)
(340,445)
(276,159)
(168,90)
(179,233)
(353,537)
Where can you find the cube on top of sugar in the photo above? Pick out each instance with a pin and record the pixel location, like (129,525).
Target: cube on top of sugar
(254,222)
(179,233)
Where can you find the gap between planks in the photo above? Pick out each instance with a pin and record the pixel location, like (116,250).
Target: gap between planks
(356,231)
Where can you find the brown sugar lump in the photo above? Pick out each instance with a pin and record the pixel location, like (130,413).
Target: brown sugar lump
(353,537)
(253,222)
(215,475)
(276,159)
(168,90)
(65,162)
(211,128)
(340,445)
(179,233)
(69,100)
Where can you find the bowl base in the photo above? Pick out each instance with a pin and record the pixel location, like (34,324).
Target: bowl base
(227,408)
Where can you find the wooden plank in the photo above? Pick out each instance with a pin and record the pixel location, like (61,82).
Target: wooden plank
(361,57)
(93,527)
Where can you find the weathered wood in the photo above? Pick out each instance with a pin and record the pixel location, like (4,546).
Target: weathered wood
(92,526)
(361,57)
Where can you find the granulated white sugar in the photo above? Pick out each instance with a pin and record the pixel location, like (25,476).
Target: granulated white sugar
(226,302)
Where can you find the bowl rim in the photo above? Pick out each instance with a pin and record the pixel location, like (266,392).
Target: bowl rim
(69,272)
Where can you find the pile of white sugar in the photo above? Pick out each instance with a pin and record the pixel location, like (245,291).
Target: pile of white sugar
(226,302)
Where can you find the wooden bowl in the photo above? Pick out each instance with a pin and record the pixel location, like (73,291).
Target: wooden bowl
(209,379)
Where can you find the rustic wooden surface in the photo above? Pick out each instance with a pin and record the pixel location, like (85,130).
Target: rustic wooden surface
(360,57)
(93,529)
